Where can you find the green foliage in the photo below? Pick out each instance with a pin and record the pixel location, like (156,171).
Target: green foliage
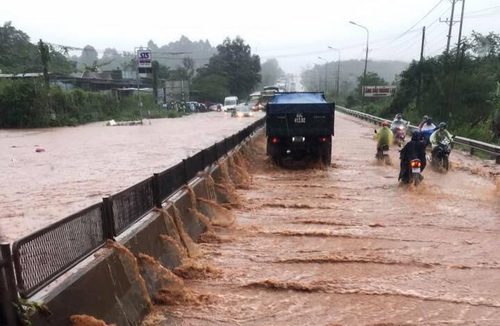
(349,71)
(235,62)
(459,89)
(211,87)
(28,104)
(18,55)
(25,309)
(270,73)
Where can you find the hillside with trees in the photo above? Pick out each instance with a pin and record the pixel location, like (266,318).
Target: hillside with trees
(461,87)
(37,100)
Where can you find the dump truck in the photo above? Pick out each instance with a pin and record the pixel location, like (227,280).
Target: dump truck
(299,125)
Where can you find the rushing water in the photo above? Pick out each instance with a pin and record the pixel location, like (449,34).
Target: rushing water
(80,165)
(347,245)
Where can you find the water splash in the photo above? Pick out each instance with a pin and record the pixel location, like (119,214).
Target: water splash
(85,320)
(283,286)
(296,206)
(210,185)
(192,196)
(181,251)
(219,215)
(172,289)
(131,266)
(191,270)
(240,176)
(157,275)
(332,259)
(227,189)
(192,248)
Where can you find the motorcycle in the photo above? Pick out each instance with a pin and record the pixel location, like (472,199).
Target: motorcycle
(426,135)
(441,154)
(413,174)
(399,132)
(383,154)
(414,171)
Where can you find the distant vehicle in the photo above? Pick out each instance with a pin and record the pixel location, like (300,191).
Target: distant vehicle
(230,103)
(216,107)
(271,88)
(299,125)
(242,110)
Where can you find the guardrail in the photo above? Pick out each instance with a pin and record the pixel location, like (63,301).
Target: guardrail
(473,145)
(8,293)
(41,257)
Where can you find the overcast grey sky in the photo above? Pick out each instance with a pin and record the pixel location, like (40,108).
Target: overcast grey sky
(295,33)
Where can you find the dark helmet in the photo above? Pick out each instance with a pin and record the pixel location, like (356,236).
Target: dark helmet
(416,135)
(429,121)
(442,125)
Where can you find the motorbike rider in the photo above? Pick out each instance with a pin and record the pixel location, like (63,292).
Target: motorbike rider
(427,129)
(414,149)
(383,136)
(398,121)
(424,120)
(438,136)
(398,128)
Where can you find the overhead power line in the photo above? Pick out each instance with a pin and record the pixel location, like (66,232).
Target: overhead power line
(425,16)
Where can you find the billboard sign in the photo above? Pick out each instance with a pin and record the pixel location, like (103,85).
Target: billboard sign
(144,58)
(378,91)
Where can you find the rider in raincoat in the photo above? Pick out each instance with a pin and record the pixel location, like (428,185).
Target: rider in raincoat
(438,136)
(383,136)
(414,149)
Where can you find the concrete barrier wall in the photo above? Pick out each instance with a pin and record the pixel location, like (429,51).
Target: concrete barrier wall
(114,285)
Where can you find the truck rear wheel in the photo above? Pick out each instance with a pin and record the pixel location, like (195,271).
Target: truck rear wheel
(278,159)
(326,155)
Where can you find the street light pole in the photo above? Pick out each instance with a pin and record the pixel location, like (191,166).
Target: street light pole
(338,70)
(366,60)
(326,71)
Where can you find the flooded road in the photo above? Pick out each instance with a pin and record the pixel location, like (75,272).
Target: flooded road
(77,166)
(347,245)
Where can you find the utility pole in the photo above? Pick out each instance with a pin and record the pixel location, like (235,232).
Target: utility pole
(457,65)
(420,68)
(450,22)
(460,30)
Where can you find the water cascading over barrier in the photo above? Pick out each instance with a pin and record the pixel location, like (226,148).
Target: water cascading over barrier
(148,261)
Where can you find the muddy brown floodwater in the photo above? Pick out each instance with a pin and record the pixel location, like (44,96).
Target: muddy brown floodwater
(347,245)
(80,165)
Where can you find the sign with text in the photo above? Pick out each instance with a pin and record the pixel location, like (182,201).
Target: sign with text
(378,91)
(144,61)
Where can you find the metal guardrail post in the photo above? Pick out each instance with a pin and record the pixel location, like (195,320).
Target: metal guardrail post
(156,190)
(184,171)
(8,287)
(108,223)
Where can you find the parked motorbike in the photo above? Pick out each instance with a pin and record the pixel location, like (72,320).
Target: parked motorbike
(441,154)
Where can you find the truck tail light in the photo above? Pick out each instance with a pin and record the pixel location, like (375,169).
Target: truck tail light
(274,140)
(323,139)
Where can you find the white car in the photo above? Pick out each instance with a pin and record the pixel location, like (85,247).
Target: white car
(242,110)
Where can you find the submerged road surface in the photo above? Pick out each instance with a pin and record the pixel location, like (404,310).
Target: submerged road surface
(77,166)
(348,246)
